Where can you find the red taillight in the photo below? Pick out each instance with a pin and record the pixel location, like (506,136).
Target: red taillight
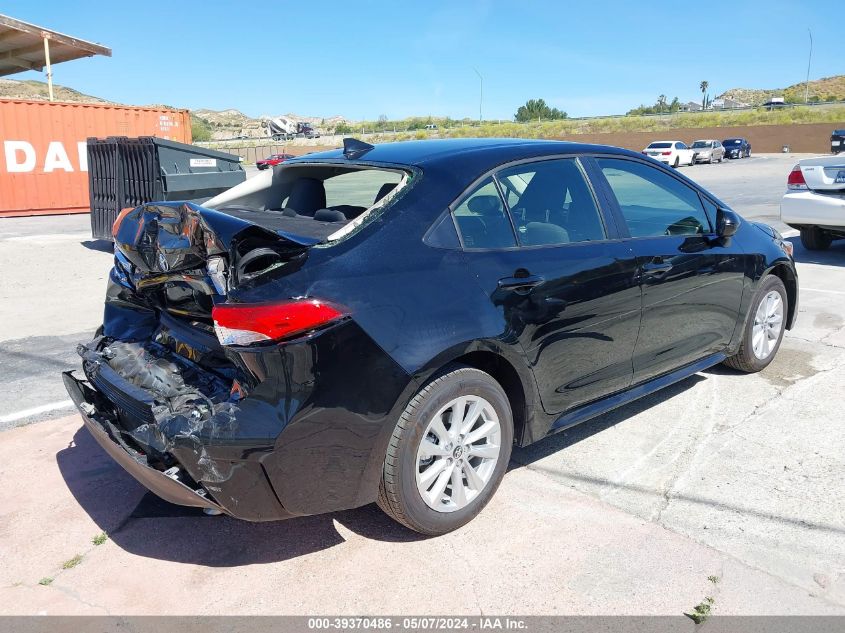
(796,179)
(247,323)
(666,153)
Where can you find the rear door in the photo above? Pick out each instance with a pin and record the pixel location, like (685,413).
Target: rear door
(692,281)
(565,285)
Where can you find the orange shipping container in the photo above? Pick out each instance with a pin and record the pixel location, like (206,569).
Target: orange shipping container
(43,158)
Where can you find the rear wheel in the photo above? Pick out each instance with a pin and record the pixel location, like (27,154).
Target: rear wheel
(448,452)
(764,328)
(814,239)
(677,162)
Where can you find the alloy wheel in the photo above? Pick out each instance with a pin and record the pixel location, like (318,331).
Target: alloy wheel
(458,453)
(768,323)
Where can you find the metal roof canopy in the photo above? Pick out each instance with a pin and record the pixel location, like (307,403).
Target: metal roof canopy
(25,46)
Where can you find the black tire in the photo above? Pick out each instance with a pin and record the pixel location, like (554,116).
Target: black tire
(399,496)
(677,162)
(745,360)
(814,239)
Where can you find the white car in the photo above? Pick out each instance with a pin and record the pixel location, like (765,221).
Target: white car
(814,202)
(672,153)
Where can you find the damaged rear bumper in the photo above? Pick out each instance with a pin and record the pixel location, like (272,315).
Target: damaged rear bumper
(166,485)
(180,467)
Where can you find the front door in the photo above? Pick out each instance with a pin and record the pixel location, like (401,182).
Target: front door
(692,281)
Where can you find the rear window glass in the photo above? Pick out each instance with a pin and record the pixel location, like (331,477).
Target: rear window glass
(733,141)
(660,145)
(358,188)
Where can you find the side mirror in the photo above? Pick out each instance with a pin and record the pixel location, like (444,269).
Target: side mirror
(727,223)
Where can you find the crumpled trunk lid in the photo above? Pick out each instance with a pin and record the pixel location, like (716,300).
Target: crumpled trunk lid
(183,258)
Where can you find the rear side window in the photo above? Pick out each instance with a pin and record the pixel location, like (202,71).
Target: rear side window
(551,203)
(652,202)
(481,219)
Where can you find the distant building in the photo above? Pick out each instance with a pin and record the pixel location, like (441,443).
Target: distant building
(728,104)
(689,106)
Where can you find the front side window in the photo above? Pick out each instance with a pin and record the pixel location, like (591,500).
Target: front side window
(551,203)
(652,202)
(481,219)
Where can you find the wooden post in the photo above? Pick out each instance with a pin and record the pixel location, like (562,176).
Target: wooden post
(47,65)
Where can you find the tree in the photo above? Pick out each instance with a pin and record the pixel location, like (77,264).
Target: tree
(200,130)
(535,109)
(661,103)
(675,105)
(703,86)
(342,128)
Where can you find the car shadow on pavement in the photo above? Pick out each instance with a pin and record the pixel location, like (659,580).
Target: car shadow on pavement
(143,524)
(104,246)
(552,444)
(834,256)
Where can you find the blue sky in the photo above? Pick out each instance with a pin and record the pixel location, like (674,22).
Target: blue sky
(361,59)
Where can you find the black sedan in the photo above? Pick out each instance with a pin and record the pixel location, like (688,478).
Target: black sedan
(737,148)
(382,324)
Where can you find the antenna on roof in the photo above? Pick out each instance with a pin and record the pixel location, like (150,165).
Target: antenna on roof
(353,148)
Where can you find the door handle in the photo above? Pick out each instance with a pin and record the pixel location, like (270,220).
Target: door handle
(522,284)
(656,267)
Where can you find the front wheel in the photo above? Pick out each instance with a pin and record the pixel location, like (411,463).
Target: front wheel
(764,328)
(448,452)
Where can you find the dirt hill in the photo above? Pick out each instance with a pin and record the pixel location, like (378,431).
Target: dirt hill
(37,91)
(824,89)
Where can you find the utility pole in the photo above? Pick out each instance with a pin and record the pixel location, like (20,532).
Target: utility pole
(480,92)
(809,59)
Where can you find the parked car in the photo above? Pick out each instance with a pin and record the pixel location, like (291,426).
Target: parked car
(431,126)
(315,340)
(672,153)
(273,160)
(707,151)
(814,202)
(837,141)
(737,147)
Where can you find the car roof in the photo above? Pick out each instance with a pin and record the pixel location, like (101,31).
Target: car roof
(476,152)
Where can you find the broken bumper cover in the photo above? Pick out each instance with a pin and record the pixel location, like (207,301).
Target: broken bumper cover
(243,492)
(168,487)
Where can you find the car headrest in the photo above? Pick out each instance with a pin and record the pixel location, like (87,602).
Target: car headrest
(306,196)
(329,215)
(485,205)
(385,189)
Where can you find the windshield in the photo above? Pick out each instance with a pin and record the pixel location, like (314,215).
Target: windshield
(659,145)
(732,141)
(701,144)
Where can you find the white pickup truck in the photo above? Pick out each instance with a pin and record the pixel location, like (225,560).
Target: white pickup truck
(814,202)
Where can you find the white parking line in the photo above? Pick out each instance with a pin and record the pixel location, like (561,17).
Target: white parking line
(830,292)
(44,408)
